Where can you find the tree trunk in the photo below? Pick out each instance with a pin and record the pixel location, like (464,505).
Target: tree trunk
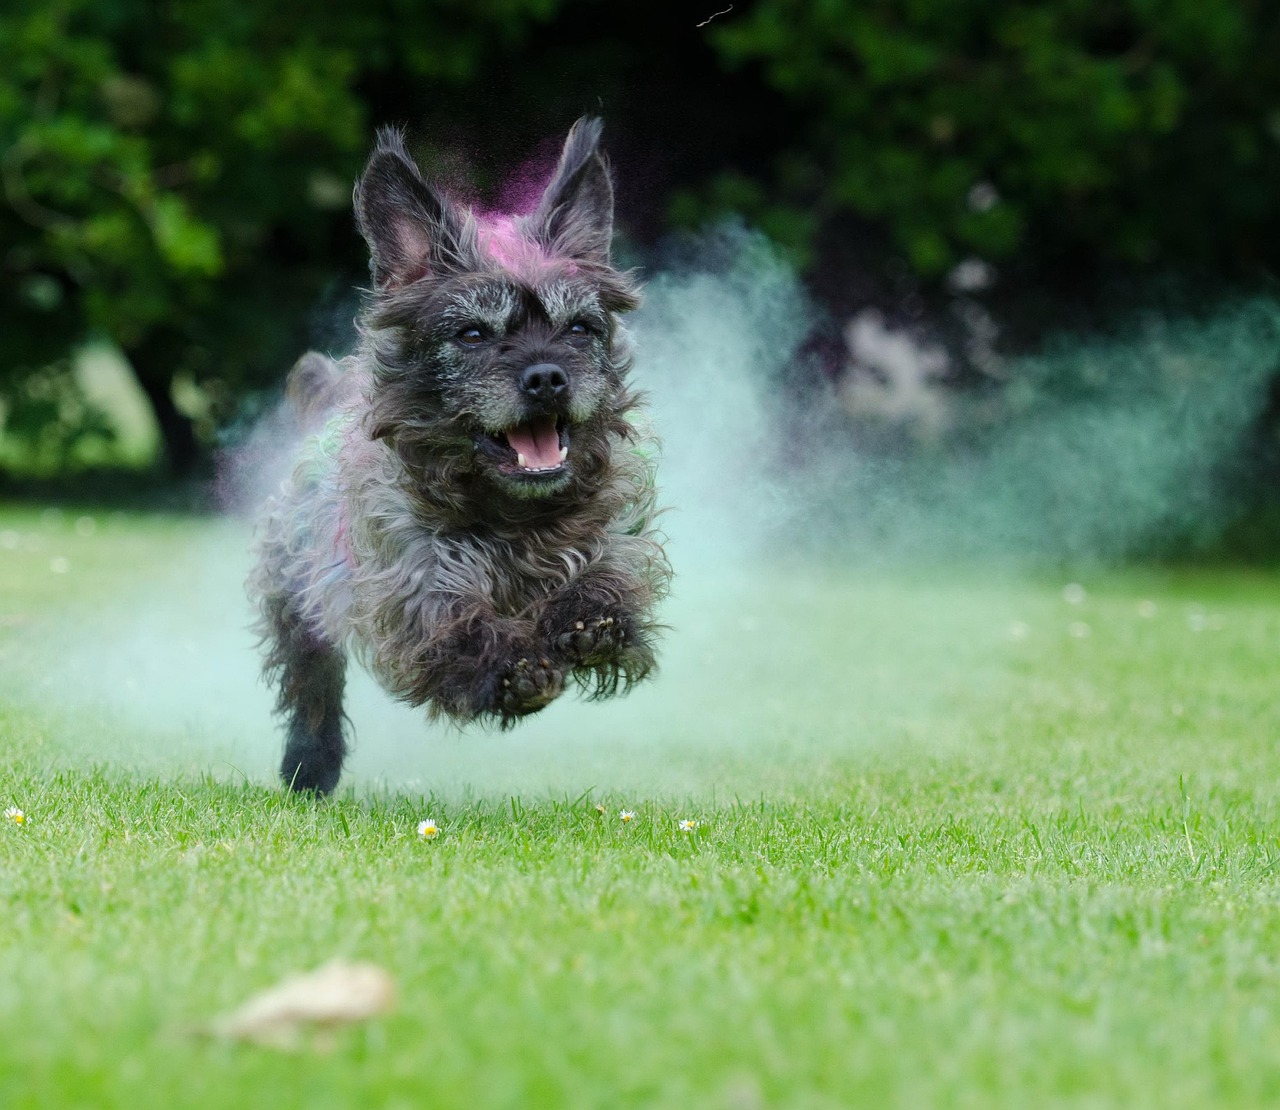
(153,362)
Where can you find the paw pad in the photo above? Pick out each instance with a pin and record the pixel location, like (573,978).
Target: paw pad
(592,642)
(529,685)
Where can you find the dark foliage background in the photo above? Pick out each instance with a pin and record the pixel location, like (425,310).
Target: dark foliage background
(176,176)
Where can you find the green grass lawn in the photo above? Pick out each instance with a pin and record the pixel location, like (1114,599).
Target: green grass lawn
(963,842)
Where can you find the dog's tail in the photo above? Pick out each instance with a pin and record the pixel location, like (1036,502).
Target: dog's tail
(313,387)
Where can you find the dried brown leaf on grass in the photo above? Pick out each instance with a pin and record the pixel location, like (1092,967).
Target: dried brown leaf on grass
(339,993)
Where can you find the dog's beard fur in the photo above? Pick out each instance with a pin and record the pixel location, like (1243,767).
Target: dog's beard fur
(474,518)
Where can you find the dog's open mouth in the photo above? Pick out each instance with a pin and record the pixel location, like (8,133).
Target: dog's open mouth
(538,446)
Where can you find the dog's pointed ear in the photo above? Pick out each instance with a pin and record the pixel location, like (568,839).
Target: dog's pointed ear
(575,215)
(411,228)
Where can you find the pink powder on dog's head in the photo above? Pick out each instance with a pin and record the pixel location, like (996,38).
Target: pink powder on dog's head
(501,241)
(500,236)
(524,187)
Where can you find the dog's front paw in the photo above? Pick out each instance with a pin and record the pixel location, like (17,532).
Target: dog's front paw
(588,643)
(528,685)
(605,653)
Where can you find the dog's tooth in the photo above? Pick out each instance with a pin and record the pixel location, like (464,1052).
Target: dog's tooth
(564,453)
(520,461)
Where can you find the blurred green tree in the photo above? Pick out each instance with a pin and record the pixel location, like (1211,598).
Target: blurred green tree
(176,176)
(1132,131)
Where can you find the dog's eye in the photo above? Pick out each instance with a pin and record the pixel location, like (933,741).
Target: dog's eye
(579,330)
(471,336)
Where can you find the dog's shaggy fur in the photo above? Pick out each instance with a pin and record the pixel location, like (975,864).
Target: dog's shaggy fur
(473,517)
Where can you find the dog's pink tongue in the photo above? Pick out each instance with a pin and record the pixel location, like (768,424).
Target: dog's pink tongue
(538,442)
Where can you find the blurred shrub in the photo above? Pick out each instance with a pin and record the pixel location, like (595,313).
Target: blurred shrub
(51,427)
(1140,131)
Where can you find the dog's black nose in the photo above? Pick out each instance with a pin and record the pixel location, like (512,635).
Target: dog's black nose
(544,380)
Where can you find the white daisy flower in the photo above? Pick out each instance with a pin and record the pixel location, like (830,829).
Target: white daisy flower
(428,829)
(600,808)
(689,825)
(627,815)
(14,814)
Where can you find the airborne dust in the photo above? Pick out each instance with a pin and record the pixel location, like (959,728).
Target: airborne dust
(828,602)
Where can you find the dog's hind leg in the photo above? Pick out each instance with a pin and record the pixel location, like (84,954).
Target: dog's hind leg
(310,675)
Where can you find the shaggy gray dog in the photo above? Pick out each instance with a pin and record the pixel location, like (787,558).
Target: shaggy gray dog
(473,517)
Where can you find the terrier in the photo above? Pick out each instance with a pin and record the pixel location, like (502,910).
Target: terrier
(473,517)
